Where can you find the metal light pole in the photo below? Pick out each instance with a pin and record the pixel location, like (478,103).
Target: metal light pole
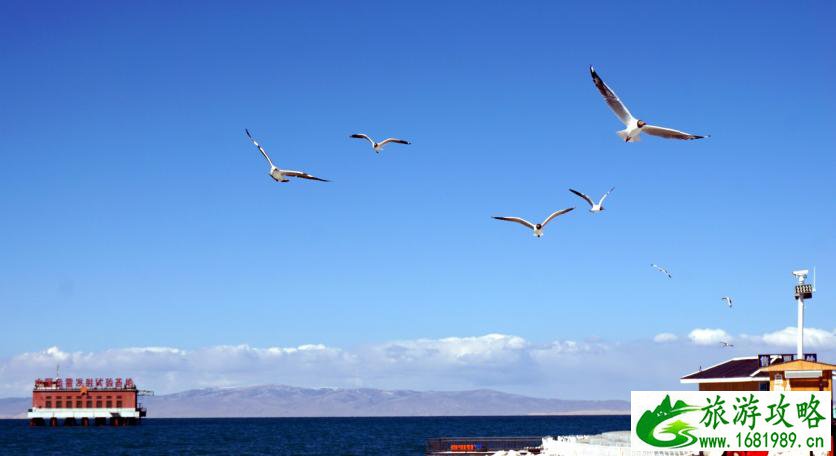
(802,291)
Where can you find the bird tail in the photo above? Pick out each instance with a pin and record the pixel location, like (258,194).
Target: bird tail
(623,135)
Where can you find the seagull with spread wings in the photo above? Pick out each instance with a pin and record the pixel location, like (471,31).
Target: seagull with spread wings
(726,344)
(595,207)
(635,127)
(536,227)
(281,175)
(728,301)
(662,270)
(378,146)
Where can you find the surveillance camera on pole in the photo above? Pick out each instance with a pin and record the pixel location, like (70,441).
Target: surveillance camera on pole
(802,291)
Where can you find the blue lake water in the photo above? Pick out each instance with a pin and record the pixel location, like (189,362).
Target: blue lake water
(285,436)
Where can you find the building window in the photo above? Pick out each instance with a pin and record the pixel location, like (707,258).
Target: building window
(58,403)
(109,404)
(48,403)
(764,386)
(119,403)
(78,403)
(764,360)
(98,403)
(89,403)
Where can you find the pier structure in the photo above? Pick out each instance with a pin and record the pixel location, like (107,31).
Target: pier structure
(85,402)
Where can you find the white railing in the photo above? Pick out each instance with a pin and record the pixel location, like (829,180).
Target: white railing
(587,446)
(79,413)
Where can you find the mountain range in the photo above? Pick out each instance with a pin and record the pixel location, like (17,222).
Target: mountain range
(289,401)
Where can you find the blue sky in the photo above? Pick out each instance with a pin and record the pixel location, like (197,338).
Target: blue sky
(136,213)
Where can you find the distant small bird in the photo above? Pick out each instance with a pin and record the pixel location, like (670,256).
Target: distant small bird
(728,300)
(281,175)
(538,228)
(378,146)
(634,126)
(596,207)
(662,270)
(726,344)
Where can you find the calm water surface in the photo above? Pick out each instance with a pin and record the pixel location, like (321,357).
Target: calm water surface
(285,436)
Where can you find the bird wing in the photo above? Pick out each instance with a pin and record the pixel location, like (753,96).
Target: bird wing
(394,140)
(611,98)
(555,214)
(260,149)
(362,136)
(661,269)
(519,220)
(302,175)
(605,196)
(588,199)
(669,133)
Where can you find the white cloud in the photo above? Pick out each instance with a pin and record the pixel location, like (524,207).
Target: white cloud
(589,369)
(172,369)
(489,361)
(491,348)
(813,338)
(708,336)
(663,338)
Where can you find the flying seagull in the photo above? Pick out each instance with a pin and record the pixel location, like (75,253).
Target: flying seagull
(634,126)
(538,228)
(726,344)
(596,207)
(281,175)
(662,270)
(378,146)
(728,300)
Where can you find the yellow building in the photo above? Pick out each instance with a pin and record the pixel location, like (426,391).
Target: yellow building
(800,375)
(752,373)
(768,372)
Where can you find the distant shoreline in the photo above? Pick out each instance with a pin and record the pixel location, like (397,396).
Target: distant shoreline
(282,401)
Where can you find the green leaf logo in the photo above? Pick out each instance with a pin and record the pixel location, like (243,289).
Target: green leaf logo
(680,430)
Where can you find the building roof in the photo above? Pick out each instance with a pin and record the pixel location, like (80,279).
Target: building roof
(755,369)
(798,365)
(733,370)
